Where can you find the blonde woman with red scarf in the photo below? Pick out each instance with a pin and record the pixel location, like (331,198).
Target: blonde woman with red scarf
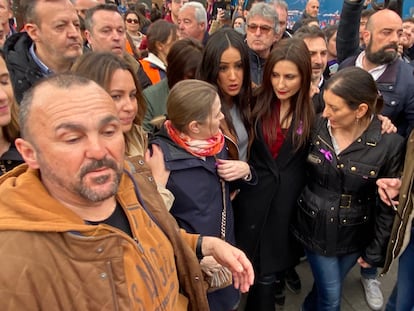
(191,141)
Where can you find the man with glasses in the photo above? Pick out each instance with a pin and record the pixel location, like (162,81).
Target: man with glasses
(262,28)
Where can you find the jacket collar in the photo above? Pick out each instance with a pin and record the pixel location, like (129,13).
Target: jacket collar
(178,158)
(44,214)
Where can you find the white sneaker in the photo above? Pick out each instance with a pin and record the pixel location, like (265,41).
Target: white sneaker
(373,293)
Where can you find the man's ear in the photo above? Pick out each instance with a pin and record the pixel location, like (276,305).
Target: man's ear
(366,37)
(27,152)
(88,36)
(32,30)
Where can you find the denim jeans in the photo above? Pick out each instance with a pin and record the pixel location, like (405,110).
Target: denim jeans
(402,298)
(328,274)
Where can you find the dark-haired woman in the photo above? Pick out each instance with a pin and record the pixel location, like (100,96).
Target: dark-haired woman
(160,37)
(183,60)
(282,116)
(133,34)
(225,64)
(339,219)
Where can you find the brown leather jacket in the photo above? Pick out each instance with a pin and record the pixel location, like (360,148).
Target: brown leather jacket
(400,234)
(52,260)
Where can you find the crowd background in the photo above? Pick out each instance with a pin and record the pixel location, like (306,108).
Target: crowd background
(271,76)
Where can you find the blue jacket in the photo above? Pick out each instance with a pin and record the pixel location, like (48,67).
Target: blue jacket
(397,82)
(396,85)
(198,202)
(196,187)
(23,70)
(256,67)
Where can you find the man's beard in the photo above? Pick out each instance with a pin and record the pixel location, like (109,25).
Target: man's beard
(88,192)
(381,56)
(79,186)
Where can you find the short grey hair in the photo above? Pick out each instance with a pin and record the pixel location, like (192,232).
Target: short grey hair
(199,12)
(266,11)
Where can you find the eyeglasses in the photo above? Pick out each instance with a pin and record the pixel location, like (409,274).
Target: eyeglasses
(130,20)
(263,28)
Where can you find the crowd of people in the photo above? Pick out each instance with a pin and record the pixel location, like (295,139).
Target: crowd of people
(172,145)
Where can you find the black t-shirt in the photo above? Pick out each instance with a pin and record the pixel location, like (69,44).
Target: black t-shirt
(118,219)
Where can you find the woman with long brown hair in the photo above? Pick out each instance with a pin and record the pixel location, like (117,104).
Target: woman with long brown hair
(282,116)
(9,156)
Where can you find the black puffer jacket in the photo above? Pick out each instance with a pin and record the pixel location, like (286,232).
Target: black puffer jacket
(339,212)
(23,70)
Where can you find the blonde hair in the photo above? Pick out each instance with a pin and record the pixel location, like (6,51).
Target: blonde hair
(190,100)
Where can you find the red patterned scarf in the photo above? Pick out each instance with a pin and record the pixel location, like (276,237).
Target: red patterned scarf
(197,147)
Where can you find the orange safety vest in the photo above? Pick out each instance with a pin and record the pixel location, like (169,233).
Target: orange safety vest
(152,71)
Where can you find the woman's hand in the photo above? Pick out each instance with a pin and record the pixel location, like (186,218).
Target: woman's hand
(155,161)
(231,170)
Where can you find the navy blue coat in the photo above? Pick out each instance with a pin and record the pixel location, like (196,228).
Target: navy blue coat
(396,84)
(197,189)
(198,202)
(23,70)
(256,67)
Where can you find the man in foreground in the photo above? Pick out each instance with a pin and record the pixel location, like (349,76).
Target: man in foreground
(82,229)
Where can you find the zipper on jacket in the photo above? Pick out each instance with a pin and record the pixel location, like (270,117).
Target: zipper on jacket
(110,276)
(327,144)
(139,245)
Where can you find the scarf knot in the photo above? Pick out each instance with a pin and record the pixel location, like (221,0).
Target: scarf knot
(197,147)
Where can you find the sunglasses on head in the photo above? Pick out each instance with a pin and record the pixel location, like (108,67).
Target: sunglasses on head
(263,28)
(130,20)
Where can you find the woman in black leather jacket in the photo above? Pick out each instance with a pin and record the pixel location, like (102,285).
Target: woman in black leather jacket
(339,218)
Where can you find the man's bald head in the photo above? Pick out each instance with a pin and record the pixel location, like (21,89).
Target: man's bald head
(312,8)
(382,36)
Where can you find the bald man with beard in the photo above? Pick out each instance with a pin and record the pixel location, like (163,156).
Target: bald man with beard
(395,79)
(311,10)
